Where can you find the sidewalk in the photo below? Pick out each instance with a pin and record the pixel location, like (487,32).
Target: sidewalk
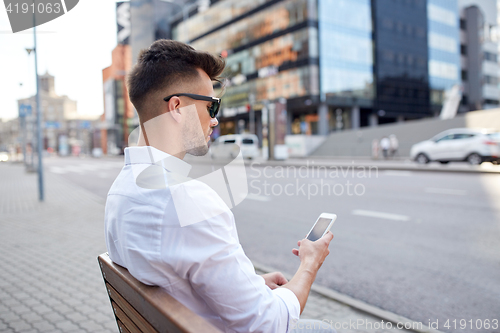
(49,276)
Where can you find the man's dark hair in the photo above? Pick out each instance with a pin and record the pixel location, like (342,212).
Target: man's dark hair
(164,64)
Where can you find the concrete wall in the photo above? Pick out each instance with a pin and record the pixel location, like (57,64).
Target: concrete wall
(359,142)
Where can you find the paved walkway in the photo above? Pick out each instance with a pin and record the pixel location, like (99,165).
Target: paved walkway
(49,276)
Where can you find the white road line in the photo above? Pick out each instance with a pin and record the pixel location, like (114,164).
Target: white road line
(257,197)
(59,170)
(90,167)
(445,191)
(74,168)
(397,173)
(380,215)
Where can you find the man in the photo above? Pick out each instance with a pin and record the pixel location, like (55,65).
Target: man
(177,233)
(385,144)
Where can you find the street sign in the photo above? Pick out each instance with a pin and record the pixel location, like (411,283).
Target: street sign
(85,124)
(52,124)
(24,110)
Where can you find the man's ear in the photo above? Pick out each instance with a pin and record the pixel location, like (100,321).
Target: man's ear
(174,105)
(176,115)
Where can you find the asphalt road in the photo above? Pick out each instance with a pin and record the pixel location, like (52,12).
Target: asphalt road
(420,244)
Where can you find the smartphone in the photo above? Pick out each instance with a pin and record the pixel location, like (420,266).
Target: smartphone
(321,227)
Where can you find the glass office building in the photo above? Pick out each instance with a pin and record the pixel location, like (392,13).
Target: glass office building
(401,66)
(271,52)
(347,63)
(346,52)
(444,48)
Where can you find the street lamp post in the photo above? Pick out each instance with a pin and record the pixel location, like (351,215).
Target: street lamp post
(38,116)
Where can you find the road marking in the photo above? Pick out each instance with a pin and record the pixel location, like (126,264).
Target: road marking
(445,191)
(59,170)
(82,168)
(257,197)
(380,215)
(90,167)
(397,173)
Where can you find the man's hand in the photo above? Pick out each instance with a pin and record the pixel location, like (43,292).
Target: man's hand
(312,255)
(314,252)
(274,280)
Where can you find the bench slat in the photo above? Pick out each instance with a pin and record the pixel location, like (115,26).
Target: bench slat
(122,327)
(129,324)
(162,311)
(125,306)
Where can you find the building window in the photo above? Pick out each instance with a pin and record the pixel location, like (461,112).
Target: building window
(464,100)
(490,80)
(490,57)
(464,76)
(463,49)
(491,101)
(463,26)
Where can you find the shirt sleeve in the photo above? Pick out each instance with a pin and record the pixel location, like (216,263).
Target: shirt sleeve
(209,255)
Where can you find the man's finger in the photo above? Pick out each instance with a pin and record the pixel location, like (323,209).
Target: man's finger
(328,236)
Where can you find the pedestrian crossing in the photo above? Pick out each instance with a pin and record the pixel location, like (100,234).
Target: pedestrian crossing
(99,169)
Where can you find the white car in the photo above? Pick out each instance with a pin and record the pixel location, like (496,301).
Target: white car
(460,144)
(226,146)
(4,156)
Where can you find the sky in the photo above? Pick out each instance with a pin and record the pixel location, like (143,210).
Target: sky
(74,48)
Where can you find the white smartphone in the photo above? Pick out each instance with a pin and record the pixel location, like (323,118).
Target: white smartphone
(321,227)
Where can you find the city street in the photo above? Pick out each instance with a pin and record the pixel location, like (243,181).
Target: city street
(423,245)
(385,113)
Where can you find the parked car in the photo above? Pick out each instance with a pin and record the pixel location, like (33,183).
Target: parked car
(4,156)
(459,144)
(226,146)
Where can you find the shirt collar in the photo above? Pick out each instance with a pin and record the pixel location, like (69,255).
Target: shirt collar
(151,155)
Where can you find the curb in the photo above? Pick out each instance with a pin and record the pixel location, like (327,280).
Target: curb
(357,304)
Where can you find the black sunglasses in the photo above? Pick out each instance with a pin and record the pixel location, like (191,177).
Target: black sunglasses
(214,107)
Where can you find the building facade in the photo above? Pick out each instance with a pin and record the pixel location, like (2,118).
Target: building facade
(479,55)
(339,64)
(401,60)
(64,130)
(444,49)
(119,118)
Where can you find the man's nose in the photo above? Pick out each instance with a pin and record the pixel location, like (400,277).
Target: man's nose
(214,122)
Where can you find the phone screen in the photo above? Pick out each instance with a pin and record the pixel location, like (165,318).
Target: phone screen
(319,229)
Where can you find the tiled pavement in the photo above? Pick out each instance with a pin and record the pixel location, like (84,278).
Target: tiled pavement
(49,276)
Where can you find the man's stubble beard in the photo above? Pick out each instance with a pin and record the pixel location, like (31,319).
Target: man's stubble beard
(195,142)
(198,151)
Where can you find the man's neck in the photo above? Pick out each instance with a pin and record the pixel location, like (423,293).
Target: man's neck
(171,152)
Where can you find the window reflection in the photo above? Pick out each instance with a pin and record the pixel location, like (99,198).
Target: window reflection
(266,22)
(346,48)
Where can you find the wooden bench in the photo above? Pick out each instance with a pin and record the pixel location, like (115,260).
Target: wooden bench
(142,308)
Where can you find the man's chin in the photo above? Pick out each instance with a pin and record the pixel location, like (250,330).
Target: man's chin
(198,151)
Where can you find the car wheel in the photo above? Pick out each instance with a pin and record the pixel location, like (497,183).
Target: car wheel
(474,159)
(444,162)
(422,159)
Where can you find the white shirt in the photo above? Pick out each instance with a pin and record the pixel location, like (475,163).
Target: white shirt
(200,264)
(385,143)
